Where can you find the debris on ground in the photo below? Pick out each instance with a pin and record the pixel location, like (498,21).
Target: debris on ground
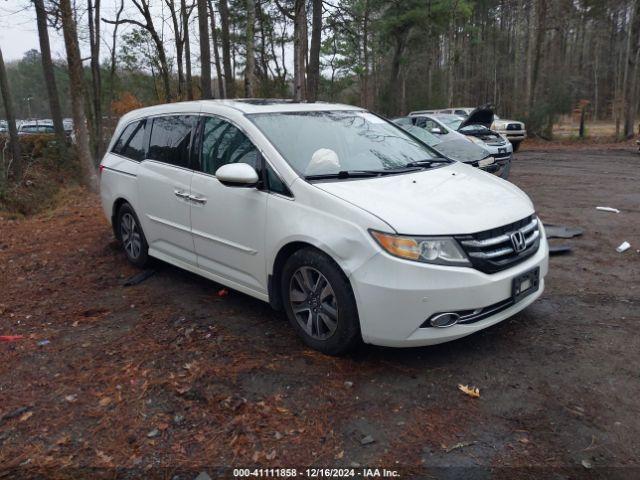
(153,433)
(15,413)
(348,384)
(366,440)
(10,338)
(559,249)
(473,392)
(42,343)
(223,292)
(457,446)
(562,231)
(139,278)
(608,209)
(586,464)
(623,247)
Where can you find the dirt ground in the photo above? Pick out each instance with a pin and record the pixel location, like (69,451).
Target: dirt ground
(168,378)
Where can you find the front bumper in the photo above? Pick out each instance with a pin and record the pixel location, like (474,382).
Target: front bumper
(396,296)
(514,135)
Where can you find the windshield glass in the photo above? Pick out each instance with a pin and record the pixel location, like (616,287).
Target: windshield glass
(329,142)
(453,123)
(419,132)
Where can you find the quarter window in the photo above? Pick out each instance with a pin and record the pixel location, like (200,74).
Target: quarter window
(131,142)
(171,139)
(222,143)
(275,184)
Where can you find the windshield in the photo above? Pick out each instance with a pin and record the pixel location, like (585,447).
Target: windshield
(453,123)
(419,132)
(328,142)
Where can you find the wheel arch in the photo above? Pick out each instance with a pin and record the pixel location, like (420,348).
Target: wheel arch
(114,214)
(285,251)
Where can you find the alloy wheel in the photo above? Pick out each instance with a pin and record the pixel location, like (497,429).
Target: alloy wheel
(130,234)
(313,302)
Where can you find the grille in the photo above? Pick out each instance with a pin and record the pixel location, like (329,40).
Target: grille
(500,248)
(514,126)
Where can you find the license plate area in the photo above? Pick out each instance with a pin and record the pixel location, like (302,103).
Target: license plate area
(525,284)
(502,150)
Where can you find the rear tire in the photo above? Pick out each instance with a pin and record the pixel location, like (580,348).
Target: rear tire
(319,302)
(132,237)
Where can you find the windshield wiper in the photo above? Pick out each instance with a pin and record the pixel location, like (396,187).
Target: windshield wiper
(345,174)
(427,162)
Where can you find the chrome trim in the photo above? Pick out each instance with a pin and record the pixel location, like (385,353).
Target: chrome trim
(222,241)
(492,254)
(501,238)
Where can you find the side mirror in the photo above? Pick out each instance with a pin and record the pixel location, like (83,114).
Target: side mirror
(437,131)
(237,175)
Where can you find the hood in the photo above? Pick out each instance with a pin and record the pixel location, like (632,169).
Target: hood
(483,115)
(462,150)
(456,199)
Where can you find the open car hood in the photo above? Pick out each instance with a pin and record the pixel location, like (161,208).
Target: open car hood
(483,115)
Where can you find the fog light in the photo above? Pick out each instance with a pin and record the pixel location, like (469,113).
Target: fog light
(444,320)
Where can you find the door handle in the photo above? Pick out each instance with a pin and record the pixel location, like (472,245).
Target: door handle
(181,194)
(199,200)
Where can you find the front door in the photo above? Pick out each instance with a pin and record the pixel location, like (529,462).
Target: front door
(228,223)
(164,182)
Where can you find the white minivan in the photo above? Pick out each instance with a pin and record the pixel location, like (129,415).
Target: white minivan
(352,226)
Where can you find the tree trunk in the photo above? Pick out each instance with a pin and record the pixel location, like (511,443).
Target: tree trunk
(7,101)
(249,72)
(112,71)
(205,50)
(226,50)
(96,81)
(216,53)
(76,84)
(313,70)
(184,16)
(299,50)
(49,74)
(629,98)
(178,36)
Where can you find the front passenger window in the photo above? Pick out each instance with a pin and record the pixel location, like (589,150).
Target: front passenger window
(171,139)
(222,143)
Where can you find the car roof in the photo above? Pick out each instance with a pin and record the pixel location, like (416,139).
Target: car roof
(446,116)
(246,105)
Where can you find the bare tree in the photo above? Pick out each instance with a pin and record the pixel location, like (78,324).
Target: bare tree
(216,54)
(49,74)
(7,100)
(178,35)
(112,69)
(299,17)
(145,10)
(226,50)
(185,13)
(249,72)
(205,50)
(313,69)
(76,81)
(96,82)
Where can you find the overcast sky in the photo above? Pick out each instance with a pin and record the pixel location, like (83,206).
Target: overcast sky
(18,30)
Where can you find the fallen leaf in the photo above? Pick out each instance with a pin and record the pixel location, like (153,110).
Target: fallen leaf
(26,416)
(105,401)
(471,391)
(271,455)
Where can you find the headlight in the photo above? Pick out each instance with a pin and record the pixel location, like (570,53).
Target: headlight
(438,250)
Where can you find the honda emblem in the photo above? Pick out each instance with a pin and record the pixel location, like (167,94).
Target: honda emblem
(518,241)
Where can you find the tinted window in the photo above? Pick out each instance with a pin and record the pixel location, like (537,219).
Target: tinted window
(223,143)
(275,184)
(131,142)
(171,139)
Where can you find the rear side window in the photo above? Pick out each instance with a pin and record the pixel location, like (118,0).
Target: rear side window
(130,144)
(171,139)
(223,143)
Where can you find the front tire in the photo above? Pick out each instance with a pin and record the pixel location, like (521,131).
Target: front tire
(516,146)
(319,302)
(132,237)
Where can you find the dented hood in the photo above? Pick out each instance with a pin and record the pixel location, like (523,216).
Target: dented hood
(483,115)
(455,199)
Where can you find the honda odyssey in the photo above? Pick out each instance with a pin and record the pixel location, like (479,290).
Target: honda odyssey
(352,226)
